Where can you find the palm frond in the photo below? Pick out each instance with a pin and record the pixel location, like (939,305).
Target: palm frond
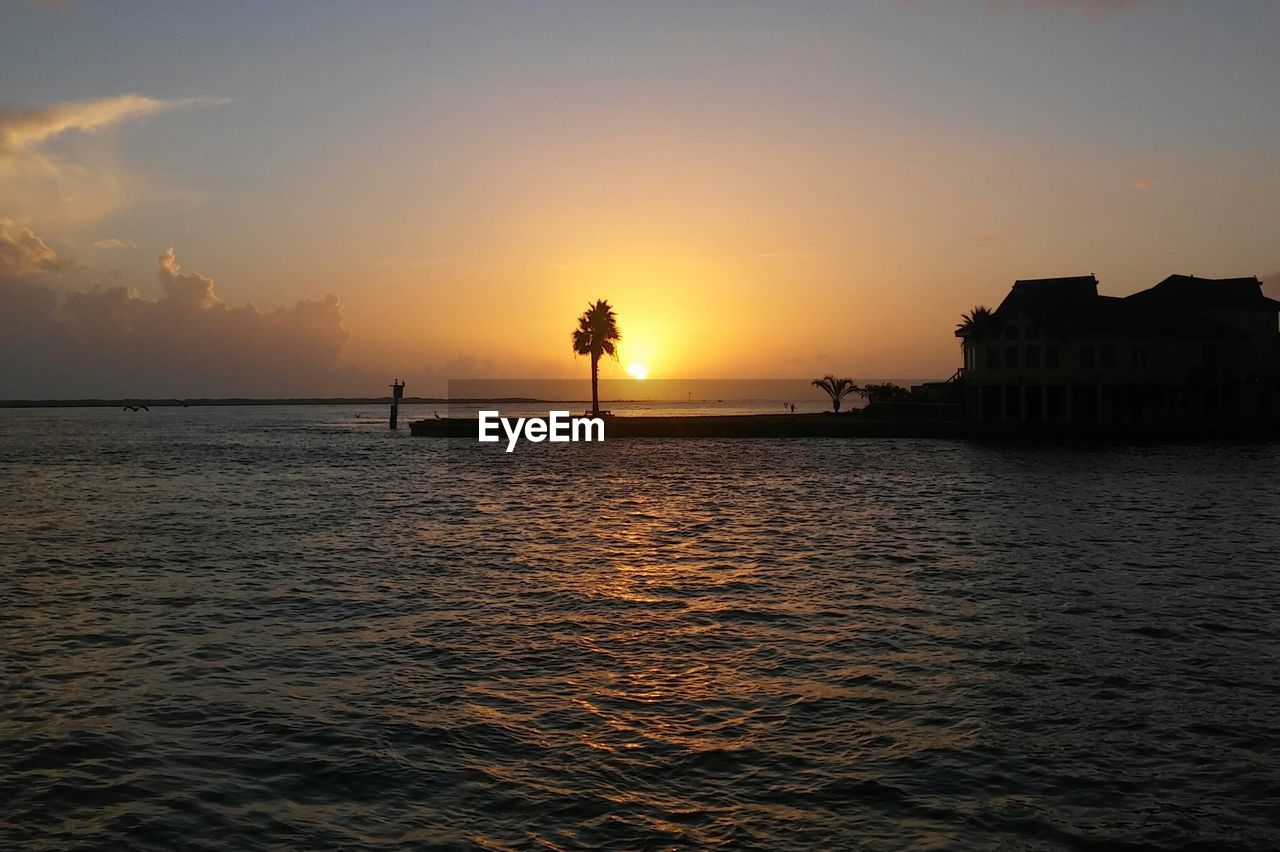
(597,332)
(835,388)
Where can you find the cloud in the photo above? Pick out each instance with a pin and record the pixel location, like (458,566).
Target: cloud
(189,290)
(112,243)
(23,131)
(23,255)
(35,180)
(1142,184)
(112,341)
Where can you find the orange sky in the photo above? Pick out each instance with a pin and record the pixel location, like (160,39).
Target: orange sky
(760,191)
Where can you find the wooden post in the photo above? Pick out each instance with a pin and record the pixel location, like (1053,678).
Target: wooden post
(397,391)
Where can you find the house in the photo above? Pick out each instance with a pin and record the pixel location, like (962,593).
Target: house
(1186,351)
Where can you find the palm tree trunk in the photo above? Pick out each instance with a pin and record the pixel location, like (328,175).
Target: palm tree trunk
(595,384)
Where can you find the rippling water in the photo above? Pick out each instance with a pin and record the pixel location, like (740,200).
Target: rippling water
(288,627)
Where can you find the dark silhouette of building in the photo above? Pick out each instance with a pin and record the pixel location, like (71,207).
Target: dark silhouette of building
(1186,351)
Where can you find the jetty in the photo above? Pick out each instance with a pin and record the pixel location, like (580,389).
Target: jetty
(867,424)
(729,426)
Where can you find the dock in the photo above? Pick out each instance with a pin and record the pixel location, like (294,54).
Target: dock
(729,426)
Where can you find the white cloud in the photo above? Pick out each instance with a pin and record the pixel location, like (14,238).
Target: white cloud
(113,243)
(23,255)
(37,182)
(23,131)
(185,289)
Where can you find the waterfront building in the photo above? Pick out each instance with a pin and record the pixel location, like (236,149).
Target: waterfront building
(1186,351)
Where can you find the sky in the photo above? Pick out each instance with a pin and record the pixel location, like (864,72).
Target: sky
(301,199)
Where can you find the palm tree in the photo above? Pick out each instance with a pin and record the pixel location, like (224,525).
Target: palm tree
(597,334)
(837,389)
(977,322)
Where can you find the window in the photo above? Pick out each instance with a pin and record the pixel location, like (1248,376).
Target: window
(1087,356)
(1010,332)
(1033,358)
(1138,355)
(1052,357)
(993,357)
(1108,354)
(1011,357)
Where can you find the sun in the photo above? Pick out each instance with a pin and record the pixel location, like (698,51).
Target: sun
(637,371)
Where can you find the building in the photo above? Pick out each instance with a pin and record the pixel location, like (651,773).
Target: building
(1186,351)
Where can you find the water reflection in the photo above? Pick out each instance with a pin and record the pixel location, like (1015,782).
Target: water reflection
(290,632)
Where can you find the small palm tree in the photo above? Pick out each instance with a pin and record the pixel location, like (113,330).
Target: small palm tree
(837,389)
(977,322)
(597,334)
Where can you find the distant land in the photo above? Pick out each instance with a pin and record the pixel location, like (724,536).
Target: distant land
(195,402)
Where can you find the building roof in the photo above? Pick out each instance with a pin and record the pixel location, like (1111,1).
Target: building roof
(1206,293)
(1176,307)
(1051,294)
(1073,285)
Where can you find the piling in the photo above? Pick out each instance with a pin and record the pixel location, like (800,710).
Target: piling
(397,393)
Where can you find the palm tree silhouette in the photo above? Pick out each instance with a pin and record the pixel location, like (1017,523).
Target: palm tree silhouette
(977,322)
(596,335)
(837,389)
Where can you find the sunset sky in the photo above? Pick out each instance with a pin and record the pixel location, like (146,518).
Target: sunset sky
(311,198)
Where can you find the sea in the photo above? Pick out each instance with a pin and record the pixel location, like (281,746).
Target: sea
(289,627)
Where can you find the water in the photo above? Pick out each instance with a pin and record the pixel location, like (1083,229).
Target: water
(289,628)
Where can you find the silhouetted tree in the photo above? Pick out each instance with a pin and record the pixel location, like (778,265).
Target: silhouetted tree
(886,392)
(597,334)
(977,322)
(837,389)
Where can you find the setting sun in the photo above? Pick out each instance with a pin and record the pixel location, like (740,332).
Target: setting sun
(637,371)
